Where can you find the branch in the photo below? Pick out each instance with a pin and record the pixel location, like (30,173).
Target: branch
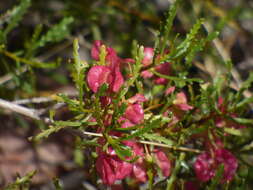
(184,149)
(35,114)
(19,109)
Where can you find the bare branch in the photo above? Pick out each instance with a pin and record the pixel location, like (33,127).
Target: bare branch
(19,109)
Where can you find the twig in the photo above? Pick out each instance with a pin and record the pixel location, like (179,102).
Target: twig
(34,114)
(185,149)
(36,100)
(19,109)
(9,76)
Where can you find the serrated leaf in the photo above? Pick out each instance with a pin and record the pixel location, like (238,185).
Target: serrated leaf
(158,138)
(102,90)
(185,45)
(46,133)
(121,150)
(57,184)
(148,127)
(244,102)
(68,123)
(73,104)
(217,178)
(21,182)
(198,46)
(31,45)
(78,71)
(243,120)
(233,131)
(169,22)
(57,33)
(15,15)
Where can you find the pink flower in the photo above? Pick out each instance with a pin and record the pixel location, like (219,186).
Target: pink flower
(95,50)
(165,69)
(101,74)
(138,98)
(111,56)
(134,113)
(146,74)
(148,56)
(181,102)
(170,90)
(163,162)
(139,170)
(97,76)
(111,168)
(205,166)
(230,163)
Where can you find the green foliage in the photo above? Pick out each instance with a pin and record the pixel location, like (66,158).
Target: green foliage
(95,126)
(14,17)
(21,182)
(158,138)
(148,127)
(56,33)
(45,133)
(57,184)
(78,71)
(218,177)
(168,25)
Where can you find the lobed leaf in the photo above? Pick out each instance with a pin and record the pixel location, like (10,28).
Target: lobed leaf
(56,33)
(15,16)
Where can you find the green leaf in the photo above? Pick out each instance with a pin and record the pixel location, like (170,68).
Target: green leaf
(169,22)
(244,102)
(73,104)
(45,134)
(21,183)
(102,90)
(33,63)
(173,177)
(68,123)
(31,45)
(158,138)
(217,179)
(138,56)
(78,71)
(121,150)
(186,45)
(233,131)
(243,120)
(57,184)
(87,143)
(15,15)
(146,128)
(245,85)
(56,33)
(198,46)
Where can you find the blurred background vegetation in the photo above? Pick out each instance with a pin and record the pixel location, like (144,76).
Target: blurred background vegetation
(35,60)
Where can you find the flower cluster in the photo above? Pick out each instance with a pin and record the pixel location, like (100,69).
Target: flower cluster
(108,69)
(109,166)
(207,164)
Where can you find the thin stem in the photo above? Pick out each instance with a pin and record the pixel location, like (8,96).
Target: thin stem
(184,149)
